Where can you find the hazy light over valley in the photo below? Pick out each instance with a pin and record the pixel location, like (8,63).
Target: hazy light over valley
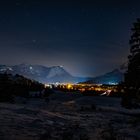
(88,39)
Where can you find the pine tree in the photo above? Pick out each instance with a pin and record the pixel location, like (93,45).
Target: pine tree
(132,76)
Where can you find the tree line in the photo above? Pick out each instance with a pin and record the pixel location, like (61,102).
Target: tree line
(17,85)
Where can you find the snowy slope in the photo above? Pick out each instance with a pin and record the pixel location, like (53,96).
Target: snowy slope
(41,73)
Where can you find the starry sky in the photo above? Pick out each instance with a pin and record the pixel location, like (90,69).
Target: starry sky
(88,38)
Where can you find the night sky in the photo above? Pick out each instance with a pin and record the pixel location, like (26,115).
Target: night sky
(88,38)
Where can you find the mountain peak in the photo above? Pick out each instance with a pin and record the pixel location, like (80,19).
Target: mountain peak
(57,71)
(40,73)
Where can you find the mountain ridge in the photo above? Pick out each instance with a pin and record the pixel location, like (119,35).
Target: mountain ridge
(58,74)
(41,73)
(112,78)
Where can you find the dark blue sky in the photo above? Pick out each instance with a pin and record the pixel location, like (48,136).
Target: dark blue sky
(87,37)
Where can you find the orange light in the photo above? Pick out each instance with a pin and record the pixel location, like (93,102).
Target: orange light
(69,86)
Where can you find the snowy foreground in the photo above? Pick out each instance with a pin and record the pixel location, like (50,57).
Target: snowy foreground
(68,117)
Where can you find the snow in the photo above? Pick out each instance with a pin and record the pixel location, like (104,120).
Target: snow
(60,116)
(57,70)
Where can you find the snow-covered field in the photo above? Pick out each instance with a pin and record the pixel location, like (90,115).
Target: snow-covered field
(69,117)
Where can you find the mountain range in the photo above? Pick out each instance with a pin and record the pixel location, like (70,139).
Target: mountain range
(59,74)
(41,73)
(112,78)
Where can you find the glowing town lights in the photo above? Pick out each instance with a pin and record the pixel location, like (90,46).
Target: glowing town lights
(98,89)
(106,90)
(82,89)
(69,86)
(48,86)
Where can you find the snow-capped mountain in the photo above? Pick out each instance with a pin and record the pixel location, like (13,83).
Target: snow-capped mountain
(114,77)
(56,71)
(41,73)
(59,74)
